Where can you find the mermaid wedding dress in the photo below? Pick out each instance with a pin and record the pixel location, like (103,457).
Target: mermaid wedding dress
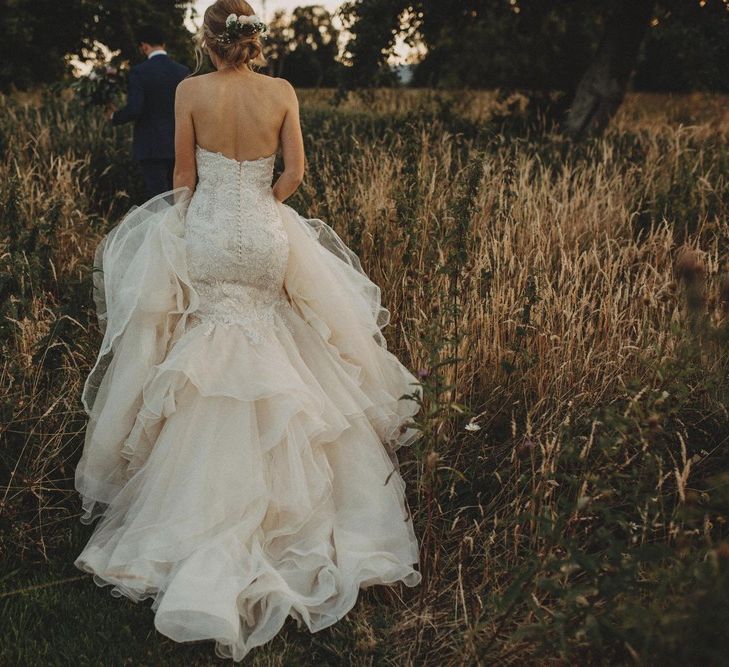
(244,414)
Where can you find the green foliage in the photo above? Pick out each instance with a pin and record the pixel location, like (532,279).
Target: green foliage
(373,26)
(686,49)
(115,23)
(36,35)
(629,561)
(39,34)
(488,44)
(302,48)
(101,87)
(535,45)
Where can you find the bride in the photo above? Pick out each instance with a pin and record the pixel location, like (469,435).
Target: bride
(244,410)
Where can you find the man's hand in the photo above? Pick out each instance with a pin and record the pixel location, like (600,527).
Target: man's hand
(109,110)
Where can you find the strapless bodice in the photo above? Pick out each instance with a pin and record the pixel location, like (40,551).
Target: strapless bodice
(237,247)
(217,170)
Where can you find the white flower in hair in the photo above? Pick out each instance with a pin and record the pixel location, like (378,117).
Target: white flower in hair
(236,26)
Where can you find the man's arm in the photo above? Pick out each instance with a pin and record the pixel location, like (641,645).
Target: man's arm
(135,101)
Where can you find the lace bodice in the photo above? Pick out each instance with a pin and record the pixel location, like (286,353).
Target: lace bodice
(236,243)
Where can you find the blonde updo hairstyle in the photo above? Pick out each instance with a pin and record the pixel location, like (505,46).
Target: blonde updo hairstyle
(246,51)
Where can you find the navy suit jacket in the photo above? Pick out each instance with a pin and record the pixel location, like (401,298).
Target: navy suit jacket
(151,105)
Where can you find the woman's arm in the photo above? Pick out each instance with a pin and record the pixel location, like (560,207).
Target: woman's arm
(292,148)
(185,174)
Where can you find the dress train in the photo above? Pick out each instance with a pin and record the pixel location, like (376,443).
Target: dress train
(241,465)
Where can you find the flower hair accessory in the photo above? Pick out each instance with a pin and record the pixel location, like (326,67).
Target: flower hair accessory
(238,26)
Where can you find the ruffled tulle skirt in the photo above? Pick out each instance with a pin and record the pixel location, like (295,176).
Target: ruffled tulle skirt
(239,482)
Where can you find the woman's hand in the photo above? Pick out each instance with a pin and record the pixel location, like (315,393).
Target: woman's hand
(286,184)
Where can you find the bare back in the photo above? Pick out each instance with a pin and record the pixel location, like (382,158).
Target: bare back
(242,115)
(237,115)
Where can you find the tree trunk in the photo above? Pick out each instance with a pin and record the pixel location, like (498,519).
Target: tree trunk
(602,88)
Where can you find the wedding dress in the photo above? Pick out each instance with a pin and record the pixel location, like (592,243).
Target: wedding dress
(244,414)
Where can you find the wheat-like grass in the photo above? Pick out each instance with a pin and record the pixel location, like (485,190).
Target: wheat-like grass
(548,270)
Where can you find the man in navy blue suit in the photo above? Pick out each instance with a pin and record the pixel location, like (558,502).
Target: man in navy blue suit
(151,105)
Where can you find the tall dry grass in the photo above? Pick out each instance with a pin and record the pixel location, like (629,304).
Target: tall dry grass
(564,306)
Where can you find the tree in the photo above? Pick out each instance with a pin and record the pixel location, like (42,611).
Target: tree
(278,43)
(373,26)
(589,50)
(494,43)
(668,44)
(474,43)
(304,47)
(602,88)
(38,35)
(114,24)
(686,48)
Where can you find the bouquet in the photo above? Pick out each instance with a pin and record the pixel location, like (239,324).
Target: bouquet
(100,87)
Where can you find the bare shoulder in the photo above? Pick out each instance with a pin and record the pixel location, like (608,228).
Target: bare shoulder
(191,90)
(186,87)
(285,87)
(192,85)
(279,92)
(285,91)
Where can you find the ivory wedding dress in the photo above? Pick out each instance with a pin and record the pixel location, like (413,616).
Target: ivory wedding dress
(243,416)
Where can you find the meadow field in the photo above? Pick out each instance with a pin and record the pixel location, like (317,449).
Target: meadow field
(567,309)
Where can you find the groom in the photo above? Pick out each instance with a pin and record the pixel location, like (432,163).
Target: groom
(151,105)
